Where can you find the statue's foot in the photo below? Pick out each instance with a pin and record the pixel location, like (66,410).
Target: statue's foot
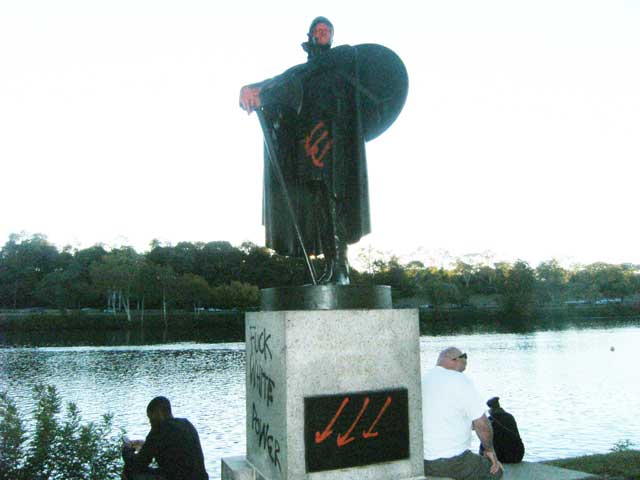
(326,277)
(341,279)
(341,273)
(337,273)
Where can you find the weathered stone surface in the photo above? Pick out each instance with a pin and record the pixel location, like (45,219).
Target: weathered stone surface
(296,354)
(236,468)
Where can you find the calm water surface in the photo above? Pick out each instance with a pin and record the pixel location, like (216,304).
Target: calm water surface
(570,393)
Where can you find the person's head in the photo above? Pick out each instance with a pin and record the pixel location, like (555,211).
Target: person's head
(319,36)
(158,410)
(452,358)
(321,32)
(493,403)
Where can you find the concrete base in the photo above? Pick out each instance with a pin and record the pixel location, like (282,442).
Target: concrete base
(298,357)
(237,468)
(535,471)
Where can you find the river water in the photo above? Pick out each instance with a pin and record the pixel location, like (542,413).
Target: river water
(573,391)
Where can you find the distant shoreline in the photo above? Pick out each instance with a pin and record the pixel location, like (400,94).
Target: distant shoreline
(69,327)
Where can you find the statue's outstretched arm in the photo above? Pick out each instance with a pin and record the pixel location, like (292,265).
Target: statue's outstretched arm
(250,98)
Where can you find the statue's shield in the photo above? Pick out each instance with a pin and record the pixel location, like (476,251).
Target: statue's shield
(383,85)
(380,79)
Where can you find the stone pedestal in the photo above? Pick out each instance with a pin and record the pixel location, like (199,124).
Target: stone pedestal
(332,394)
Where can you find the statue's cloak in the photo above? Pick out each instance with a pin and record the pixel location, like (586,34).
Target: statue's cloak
(319,115)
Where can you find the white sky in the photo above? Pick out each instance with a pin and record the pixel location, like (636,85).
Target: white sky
(119,122)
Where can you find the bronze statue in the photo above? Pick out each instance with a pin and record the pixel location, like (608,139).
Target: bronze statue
(316,118)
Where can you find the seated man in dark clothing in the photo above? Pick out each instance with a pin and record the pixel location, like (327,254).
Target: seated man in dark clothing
(172,442)
(506,438)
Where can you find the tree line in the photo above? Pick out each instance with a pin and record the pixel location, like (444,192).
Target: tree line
(195,275)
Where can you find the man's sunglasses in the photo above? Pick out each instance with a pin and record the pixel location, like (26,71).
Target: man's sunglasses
(462,355)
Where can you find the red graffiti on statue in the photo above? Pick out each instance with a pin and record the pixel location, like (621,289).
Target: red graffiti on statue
(318,135)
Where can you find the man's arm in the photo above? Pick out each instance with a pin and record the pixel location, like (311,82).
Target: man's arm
(485,433)
(138,462)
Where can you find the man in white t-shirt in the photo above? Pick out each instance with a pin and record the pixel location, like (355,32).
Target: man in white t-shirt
(451,409)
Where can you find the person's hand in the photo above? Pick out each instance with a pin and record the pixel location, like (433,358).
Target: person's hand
(496,466)
(136,445)
(250,99)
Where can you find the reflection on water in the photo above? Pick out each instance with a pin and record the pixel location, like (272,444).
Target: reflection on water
(570,393)
(148,336)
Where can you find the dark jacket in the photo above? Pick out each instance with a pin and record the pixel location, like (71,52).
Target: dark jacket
(506,437)
(175,445)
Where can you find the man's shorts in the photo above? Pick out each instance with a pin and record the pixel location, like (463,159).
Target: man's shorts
(466,466)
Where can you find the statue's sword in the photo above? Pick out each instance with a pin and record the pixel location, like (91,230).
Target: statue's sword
(268,141)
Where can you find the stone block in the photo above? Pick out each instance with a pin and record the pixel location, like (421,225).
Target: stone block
(363,355)
(236,468)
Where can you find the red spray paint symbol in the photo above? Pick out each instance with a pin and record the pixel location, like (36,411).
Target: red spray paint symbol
(345,438)
(320,134)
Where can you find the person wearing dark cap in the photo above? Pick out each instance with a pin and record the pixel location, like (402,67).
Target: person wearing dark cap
(172,442)
(506,437)
(315,125)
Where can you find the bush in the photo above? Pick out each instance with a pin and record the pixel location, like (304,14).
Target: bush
(12,438)
(59,448)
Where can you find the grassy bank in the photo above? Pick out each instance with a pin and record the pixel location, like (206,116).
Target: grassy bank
(615,465)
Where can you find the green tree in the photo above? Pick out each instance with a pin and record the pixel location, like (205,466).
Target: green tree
(438,286)
(116,275)
(58,448)
(519,290)
(484,280)
(582,285)
(613,281)
(12,440)
(40,463)
(193,291)
(167,281)
(147,286)
(442,293)
(218,262)
(552,281)
(24,261)
(56,289)
(235,295)
(392,273)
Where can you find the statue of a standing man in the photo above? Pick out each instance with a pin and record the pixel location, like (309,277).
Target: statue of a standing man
(314,117)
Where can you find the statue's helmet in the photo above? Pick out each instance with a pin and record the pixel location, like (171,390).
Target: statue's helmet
(313,25)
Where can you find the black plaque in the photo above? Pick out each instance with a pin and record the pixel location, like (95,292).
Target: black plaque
(355,429)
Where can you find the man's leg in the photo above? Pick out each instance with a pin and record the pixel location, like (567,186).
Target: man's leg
(466,466)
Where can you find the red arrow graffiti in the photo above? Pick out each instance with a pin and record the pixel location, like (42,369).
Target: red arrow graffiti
(321,437)
(369,433)
(345,439)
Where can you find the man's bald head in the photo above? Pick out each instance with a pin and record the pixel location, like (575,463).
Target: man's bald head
(452,358)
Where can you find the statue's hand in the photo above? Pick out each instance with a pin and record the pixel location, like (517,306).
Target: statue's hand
(250,98)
